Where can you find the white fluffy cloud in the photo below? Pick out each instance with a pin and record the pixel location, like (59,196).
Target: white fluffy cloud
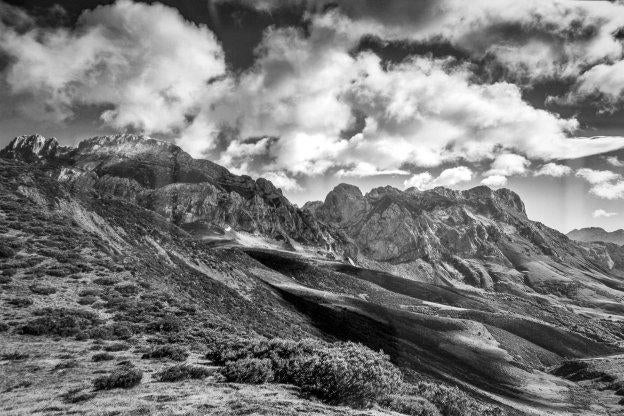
(448,177)
(495,181)
(597,176)
(531,39)
(282,181)
(601,213)
(144,62)
(614,161)
(508,164)
(604,183)
(154,71)
(304,90)
(554,170)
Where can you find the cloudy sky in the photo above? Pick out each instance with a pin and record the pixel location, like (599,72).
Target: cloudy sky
(523,94)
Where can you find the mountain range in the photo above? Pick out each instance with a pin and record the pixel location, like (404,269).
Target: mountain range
(590,234)
(458,287)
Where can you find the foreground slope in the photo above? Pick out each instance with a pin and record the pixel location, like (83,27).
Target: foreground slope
(478,295)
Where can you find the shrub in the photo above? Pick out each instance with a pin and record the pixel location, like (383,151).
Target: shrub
(6,251)
(340,373)
(42,289)
(4,327)
(20,302)
(410,405)
(183,372)
(451,401)
(118,346)
(111,331)
(77,396)
(166,324)
(127,289)
(59,321)
(121,378)
(14,356)
(105,281)
(348,374)
(87,300)
(5,280)
(102,356)
(249,370)
(173,352)
(90,292)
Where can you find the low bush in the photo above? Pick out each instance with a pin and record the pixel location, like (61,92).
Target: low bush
(127,289)
(77,396)
(410,405)
(249,370)
(5,280)
(339,373)
(90,292)
(59,321)
(14,356)
(6,251)
(122,378)
(105,281)
(451,401)
(118,346)
(165,324)
(87,300)
(20,302)
(172,352)
(102,356)
(42,289)
(109,332)
(183,372)
(4,327)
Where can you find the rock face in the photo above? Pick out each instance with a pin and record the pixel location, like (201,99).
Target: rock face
(32,148)
(597,234)
(468,235)
(160,176)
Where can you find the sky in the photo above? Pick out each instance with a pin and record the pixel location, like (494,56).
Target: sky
(410,93)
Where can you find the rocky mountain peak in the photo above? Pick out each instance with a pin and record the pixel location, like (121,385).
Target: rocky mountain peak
(31,148)
(126,144)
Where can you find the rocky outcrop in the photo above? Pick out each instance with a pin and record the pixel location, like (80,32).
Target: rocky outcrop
(597,234)
(160,176)
(458,234)
(32,148)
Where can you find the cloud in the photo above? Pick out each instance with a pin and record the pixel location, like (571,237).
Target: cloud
(508,164)
(145,64)
(554,170)
(604,82)
(597,176)
(448,177)
(495,181)
(609,190)
(604,183)
(531,40)
(281,180)
(420,181)
(364,169)
(614,161)
(150,70)
(601,213)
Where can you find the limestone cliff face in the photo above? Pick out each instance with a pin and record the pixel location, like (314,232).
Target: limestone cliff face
(461,234)
(160,176)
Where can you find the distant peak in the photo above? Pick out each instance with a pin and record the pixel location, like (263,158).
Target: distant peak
(31,148)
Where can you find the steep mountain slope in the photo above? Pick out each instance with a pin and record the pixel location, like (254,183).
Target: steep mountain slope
(455,286)
(197,194)
(590,234)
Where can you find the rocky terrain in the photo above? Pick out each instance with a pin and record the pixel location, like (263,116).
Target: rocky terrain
(591,234)
(128,249)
